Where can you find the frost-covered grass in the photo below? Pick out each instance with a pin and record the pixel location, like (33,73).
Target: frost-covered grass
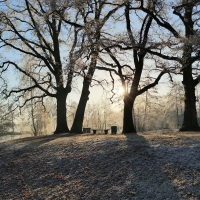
(152,165)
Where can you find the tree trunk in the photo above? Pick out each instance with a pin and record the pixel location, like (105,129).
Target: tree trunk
(79,117)
(35,133)
(61,126)
(190,122)
(177,111)
(145,112)
(190,114)
(13,126)
(128,125)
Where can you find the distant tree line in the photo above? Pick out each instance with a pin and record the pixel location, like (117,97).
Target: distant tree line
(152,111)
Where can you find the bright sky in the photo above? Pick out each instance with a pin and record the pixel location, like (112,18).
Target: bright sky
(96,91)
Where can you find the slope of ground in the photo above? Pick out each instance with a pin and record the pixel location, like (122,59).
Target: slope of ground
(144,166)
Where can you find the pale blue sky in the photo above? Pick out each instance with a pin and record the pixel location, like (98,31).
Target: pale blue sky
(96,92)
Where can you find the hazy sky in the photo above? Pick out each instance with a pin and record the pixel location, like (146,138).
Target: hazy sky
(96,93)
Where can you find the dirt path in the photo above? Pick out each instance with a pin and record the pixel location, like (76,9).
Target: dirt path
(144,166)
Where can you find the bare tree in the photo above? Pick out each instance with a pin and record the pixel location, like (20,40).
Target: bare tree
(7,124)
(95,16)
(49,46)
(131,41)
(183,42)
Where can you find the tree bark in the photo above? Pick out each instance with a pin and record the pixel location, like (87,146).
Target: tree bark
(190,122)
(61,126)
(35,132)
(128,125)
(78,120)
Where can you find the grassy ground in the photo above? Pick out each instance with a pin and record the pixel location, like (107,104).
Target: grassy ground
(144,166)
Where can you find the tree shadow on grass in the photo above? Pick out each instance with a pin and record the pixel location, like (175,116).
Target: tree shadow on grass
(32,142)
(124,167)
(146,174)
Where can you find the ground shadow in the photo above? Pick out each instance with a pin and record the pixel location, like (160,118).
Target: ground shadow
(111,167)
(146,173)
(33,141)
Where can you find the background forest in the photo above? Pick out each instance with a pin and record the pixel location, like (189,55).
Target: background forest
(152,112)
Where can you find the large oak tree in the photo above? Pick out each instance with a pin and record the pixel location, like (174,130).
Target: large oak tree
(95,14)
(49,45)
(138,36)
(183,42)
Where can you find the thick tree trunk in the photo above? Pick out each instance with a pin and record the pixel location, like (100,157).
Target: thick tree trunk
(79,117)
(190,114)
(128,125)
(61,126)
(190,122)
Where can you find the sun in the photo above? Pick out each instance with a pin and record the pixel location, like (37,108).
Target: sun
(120,91)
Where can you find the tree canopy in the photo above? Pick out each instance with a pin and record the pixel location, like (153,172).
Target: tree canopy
(58,44)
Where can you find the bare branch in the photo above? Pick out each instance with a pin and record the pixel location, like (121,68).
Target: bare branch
(144,89)
(30,76)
